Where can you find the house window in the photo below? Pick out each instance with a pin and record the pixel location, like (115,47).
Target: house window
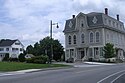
(91,37)
(21,49)
(96,51)
(15,49)
(82,38)
(110,22)
(17,43)
(105,21)
(67,53)
(82,24)
(1,49)
(74,39)
(69,39)
(7,49)
(97,36)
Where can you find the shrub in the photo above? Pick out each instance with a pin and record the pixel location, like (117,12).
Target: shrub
(21,57)
(29,60)
(38,59)
(6,58)
(13,59)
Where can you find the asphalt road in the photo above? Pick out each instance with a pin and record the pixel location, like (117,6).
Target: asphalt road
(94,74)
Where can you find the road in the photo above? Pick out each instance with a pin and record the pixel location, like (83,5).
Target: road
(94,74)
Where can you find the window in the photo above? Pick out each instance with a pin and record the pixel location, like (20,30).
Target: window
(21,49)
(82,38)
(17,43)
(15,49)
(69,39)
(117,25)
(113,24)
(97,36)
(91,37)
(1,49)
(105,21)
(74,39)
(110,22)
(7,49)
(96,51)
(82,24)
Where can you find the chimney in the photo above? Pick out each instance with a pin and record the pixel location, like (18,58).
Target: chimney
(118,17)
(106,11)
(73,16)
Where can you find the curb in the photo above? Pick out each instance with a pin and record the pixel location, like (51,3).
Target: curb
(36,70)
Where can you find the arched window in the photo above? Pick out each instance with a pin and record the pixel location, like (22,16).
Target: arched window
(69,39)
(82,38)
(74,39)
(97,36)
(91,37)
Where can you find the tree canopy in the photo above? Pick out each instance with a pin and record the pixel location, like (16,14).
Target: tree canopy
(43,47)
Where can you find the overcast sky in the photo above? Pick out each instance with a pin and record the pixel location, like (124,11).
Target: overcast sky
(29,20)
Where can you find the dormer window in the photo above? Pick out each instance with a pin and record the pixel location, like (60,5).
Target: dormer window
(70,24)
(82,23)
(17,43)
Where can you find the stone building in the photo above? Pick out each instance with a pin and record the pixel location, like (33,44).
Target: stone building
(87,34)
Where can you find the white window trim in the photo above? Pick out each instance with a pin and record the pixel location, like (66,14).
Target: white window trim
(95,36)
(68,39)
(81,38)
(73,39)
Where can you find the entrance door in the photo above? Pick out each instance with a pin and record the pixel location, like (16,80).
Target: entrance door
(82,54)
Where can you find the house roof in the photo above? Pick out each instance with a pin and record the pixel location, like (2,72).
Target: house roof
(6,42)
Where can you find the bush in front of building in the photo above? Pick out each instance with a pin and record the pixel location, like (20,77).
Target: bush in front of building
(38,59)
(21,57)
(13,59)
(6,58)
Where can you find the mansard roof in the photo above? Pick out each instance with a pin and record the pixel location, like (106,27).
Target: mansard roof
(70,25)
(94,19)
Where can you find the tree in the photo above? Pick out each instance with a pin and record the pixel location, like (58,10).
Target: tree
(30,49)
(21,57)
(43,47)
(109,51)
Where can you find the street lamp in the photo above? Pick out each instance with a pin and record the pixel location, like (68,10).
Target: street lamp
(51,24)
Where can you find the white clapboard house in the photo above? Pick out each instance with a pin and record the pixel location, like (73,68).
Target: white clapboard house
(12,47)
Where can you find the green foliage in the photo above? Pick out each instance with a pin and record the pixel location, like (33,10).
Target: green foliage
(13,59)
(6,58)
(38,59)
(109,51)
(43,47)
(21,57)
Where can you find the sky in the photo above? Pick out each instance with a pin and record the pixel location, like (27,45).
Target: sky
(29,20)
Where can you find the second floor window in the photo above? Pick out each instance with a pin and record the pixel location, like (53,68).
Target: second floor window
(82,38)
(91,37)
(74,39)
(1,49)
(69,38)
(7,49)
(97,36)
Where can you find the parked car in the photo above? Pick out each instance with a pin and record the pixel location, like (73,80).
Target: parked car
(70,60)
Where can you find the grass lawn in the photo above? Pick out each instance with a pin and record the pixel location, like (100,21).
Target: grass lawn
(14,66)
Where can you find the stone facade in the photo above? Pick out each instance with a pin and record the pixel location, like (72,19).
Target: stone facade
(87,34)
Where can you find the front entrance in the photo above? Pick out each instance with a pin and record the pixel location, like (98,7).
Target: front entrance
(82,54)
